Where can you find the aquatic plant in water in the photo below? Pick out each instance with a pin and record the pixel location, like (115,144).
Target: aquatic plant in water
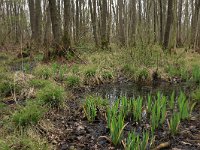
(116,128)
(90,109)
(133,142)
(172,100)
(174,123)
(137,109)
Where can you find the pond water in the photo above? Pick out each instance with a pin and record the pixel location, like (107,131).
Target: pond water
(133,90)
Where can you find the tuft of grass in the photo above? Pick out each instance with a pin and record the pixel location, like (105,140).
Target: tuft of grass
(90,109)
(196,73)
(43,71)
(107,75)
(196,95)
(130,71)
(24,142)
(149,103)
(91,72)
(158,112)
(172,100)
(52,95)
(183,106)
(116,128)
(137,109)
(7,87)
(133,142)
(174,123)
(143,74)
(73,81)
(30,114)
(39,83)
(4,145)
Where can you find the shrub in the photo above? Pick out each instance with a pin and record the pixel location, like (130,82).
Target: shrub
(30,114)
(51,95)
(73,81)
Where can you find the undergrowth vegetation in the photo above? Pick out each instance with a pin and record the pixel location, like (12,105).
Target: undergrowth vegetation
(155,110)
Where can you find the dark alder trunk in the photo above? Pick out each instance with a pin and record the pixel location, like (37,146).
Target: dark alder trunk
(31,5)
(66,37)
(168,24)
(56,27)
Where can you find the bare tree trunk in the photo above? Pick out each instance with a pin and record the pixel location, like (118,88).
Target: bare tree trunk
(133,22)
(66,38)
(31,5)
(121,23)
(56,27)
(38,22)
(168,24)
(93,19)
(104,39)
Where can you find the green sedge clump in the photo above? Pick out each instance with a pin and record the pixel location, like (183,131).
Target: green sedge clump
(30,114)
(116,128)
(73,81)
(133,142)
(174,123)
(137,109)
(52,95)
(90,109)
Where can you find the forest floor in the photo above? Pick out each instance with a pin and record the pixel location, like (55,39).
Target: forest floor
(25,81)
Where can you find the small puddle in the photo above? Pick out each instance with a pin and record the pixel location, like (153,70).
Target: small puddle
(133,90)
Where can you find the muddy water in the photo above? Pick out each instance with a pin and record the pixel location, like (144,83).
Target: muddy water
(133,90)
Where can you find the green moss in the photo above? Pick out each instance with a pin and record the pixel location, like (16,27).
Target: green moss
(73,81)
(51,95)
